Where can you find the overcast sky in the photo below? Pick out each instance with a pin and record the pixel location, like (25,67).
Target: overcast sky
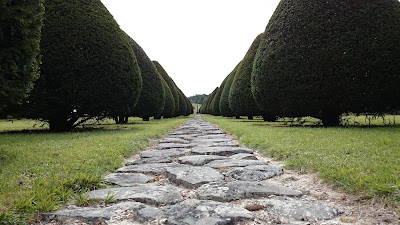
(198,42)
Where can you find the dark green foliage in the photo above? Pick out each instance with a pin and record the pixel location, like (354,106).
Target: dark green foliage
(208,104)
(199,99)
(182,103)
(224,108)
(171,85)
(214,107)
(20,25)
(241,100)
(151,100)
(189,107)
(169,104)
(88,66)
(325,58)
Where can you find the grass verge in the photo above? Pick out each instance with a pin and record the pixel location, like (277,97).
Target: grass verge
(359,159)
(40,171)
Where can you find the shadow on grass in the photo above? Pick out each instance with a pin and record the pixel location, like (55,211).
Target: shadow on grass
(312,123)
(88,128)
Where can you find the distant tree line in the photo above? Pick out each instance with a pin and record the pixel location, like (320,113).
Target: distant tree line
(320,59)
(199,99)
(89,67)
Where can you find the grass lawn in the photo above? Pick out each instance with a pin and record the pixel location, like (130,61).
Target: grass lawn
(40,171)
(358,159)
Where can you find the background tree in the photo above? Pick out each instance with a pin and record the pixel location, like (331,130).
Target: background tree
(20,26)
(199,99)
(182,103)
(224,99)
(88,66)
(151,100)
(169,104)
(209,101)
(189,107)
(214,107)
(171,85)
(323,59)
(241,100)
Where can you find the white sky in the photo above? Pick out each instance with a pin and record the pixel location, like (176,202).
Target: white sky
(198,42)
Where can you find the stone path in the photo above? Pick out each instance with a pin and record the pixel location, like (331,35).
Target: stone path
(197,175)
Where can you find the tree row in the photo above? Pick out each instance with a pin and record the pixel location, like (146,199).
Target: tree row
(89,67)
(320,59)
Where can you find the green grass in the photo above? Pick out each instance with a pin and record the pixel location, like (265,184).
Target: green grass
(41,171)
(358,159)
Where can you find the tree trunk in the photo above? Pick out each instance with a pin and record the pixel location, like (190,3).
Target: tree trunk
(62,124)
(250,117)
(237,117)
(146,118)
(331,119)
(269,118)
(157,117)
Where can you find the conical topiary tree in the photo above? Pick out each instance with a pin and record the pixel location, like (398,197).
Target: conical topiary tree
(151,100)
(216,101)
(214,107)
(189,107)
(325,58)
(171,85)
(182,103)
(241,100)
(20,25)
(88,67)
(209,102)
(169,105)
(224,99)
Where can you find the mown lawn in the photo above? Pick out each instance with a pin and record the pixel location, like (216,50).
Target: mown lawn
(40,171)
(357,159)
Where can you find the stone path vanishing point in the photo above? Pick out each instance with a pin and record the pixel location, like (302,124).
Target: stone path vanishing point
(197,175)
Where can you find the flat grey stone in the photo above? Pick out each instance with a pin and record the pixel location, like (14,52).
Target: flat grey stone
(212,141)
(244,156)
(164,153)
(199,160)
(128,179)
(154,169)
(225,192)
(301,210)
(174,140)
(144,193)
(212,136)
(234,163)
(92,214)
(188,137)
(149,214)
(193,176)
(162,146)
(165,159)
(196,212)
(224,151)
(225,144)
(255,173)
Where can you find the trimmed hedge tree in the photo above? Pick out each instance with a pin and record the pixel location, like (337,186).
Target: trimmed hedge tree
(241,100)
(325,58)
(208,107)
(151,100)
(20,25)
(169,104)
(88,67)
(224,99)
(182,103)
(171,85)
